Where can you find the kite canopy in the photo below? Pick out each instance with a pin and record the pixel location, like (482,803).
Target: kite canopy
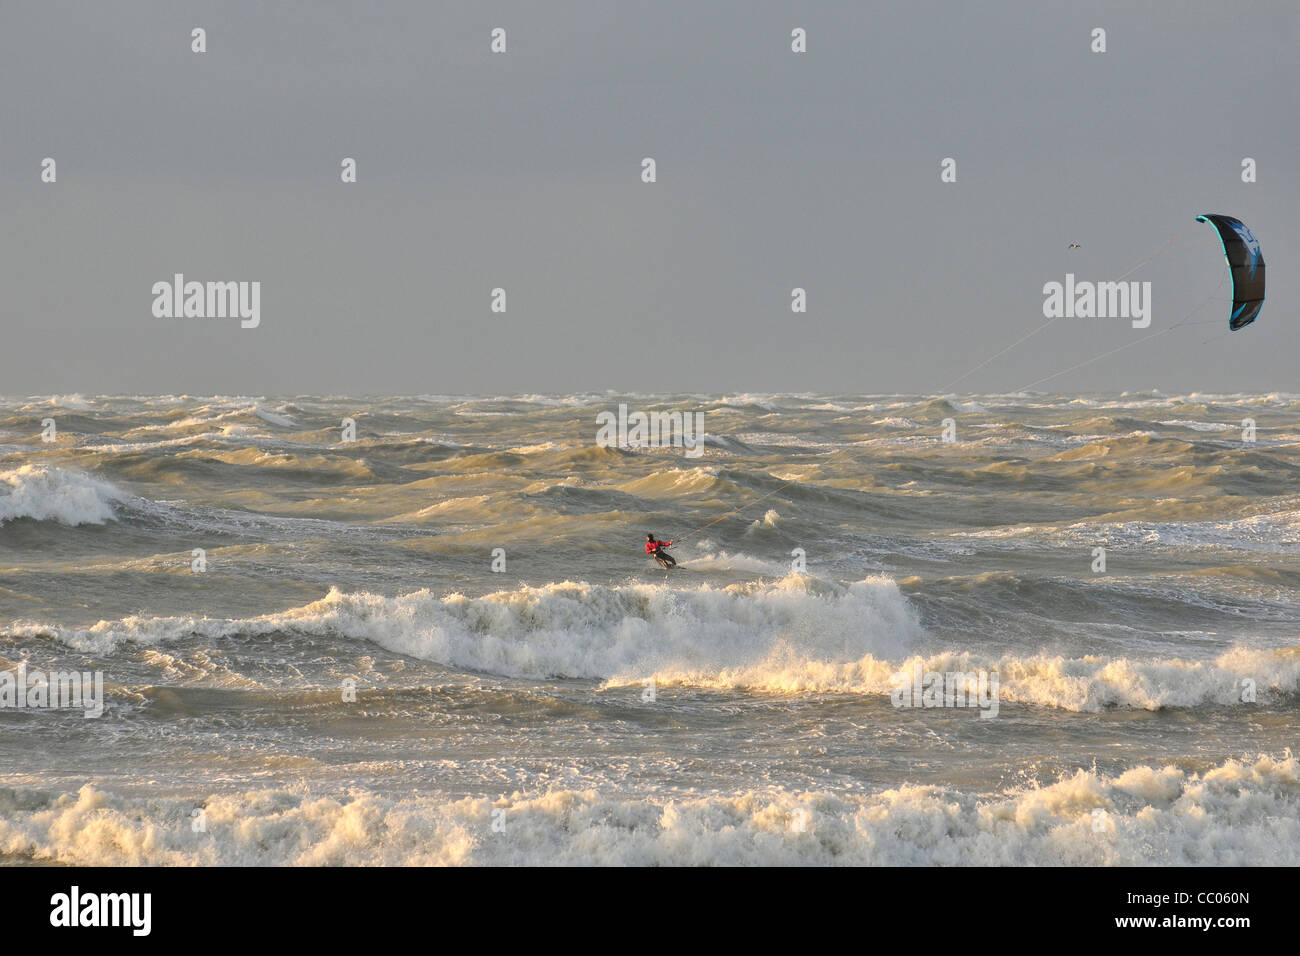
(1241,249)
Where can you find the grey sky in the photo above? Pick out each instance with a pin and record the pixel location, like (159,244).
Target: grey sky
(522,170)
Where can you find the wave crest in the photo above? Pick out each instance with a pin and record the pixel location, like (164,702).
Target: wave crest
(1242,812)
(47,493)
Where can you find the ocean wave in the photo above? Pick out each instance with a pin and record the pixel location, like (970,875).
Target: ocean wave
(796,635)
(764,403)
(1200,426)
(571,629)
(1244,812)
(1094,683)
(1083,685)
(272,417)
(707,557)
(48,493)
(1278,532)
(679,481)
(74,402)
(1275,532)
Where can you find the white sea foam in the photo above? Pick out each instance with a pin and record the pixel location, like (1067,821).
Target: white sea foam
(707,556)
(1201,426)
(75,402)
(895,422)
(573,629)
(275,419)
(1276,532)
(47,493)
(765,402)
(1086,684)
(794,635)
(1241,813)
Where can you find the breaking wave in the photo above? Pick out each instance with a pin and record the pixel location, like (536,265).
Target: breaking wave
(793,635)
(1241,813)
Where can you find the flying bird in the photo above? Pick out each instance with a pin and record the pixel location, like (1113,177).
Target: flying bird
(1075,245)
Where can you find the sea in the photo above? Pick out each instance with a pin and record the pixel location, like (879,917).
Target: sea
(977,629)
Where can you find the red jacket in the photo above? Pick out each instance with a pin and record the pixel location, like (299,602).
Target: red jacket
(652,546)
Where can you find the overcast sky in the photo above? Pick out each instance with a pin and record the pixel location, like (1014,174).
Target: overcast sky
(523,171)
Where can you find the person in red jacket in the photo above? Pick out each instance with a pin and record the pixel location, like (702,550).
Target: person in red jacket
(657,549)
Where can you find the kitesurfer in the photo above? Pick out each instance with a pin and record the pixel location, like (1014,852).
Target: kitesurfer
(656,548)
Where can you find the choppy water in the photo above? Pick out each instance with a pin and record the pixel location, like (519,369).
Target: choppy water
(519,698)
